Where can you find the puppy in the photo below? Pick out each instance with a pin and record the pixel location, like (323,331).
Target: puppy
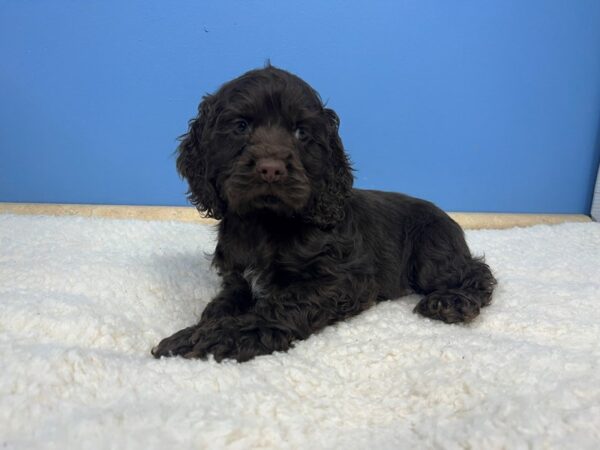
(298,247)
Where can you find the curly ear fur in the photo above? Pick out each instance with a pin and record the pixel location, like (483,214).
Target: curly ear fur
(193,160)
(329,204)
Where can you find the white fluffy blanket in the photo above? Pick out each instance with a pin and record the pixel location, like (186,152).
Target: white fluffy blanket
(82,301)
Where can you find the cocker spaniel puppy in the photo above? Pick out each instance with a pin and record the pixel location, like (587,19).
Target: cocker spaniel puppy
(299,248)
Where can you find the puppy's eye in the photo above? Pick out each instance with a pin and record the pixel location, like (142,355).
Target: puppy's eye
(242,126)
(300,133)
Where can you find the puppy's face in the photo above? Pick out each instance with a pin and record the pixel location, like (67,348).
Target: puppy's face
(264,141)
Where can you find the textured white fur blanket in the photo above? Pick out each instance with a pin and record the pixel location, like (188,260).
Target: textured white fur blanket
(82,301)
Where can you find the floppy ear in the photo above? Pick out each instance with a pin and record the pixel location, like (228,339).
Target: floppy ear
(329,206)
(193,161)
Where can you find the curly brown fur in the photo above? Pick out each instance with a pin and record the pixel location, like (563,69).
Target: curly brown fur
(298,247)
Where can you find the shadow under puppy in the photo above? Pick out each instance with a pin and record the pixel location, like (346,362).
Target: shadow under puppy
(298,247)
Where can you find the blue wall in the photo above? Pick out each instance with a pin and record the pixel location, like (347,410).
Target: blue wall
(477,105)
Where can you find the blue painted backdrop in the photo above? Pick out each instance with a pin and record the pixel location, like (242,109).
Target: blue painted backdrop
(476,105)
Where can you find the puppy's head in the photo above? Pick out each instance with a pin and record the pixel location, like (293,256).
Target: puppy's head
(264,141)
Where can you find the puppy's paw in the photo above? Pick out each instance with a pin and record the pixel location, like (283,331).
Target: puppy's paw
(214,342)
(224,339)
(200,341)
(223,343)
(181,343)
(448,306)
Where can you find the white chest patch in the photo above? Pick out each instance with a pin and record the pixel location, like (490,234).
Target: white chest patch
(255,279)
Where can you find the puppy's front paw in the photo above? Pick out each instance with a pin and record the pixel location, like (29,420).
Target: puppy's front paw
(198,341)
(181,343)
(221,342)
(224,340)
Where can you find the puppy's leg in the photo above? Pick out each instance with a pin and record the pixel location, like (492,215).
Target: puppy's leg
(275,323)
(234,299)
(455,284)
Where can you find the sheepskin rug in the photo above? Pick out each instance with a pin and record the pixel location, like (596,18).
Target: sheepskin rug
(83,300)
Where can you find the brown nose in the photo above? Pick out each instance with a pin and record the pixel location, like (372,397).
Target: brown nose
(271,170)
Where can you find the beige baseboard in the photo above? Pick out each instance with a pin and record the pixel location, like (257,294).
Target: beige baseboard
(505,220)
(177,213)
(189,214)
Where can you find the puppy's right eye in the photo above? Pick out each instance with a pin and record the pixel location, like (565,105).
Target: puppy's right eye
(300,133)
(242,126)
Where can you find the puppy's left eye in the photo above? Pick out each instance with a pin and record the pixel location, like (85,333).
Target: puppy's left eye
(242,126)
(300,133)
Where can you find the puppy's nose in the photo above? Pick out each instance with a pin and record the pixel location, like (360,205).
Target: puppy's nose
(271,170)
